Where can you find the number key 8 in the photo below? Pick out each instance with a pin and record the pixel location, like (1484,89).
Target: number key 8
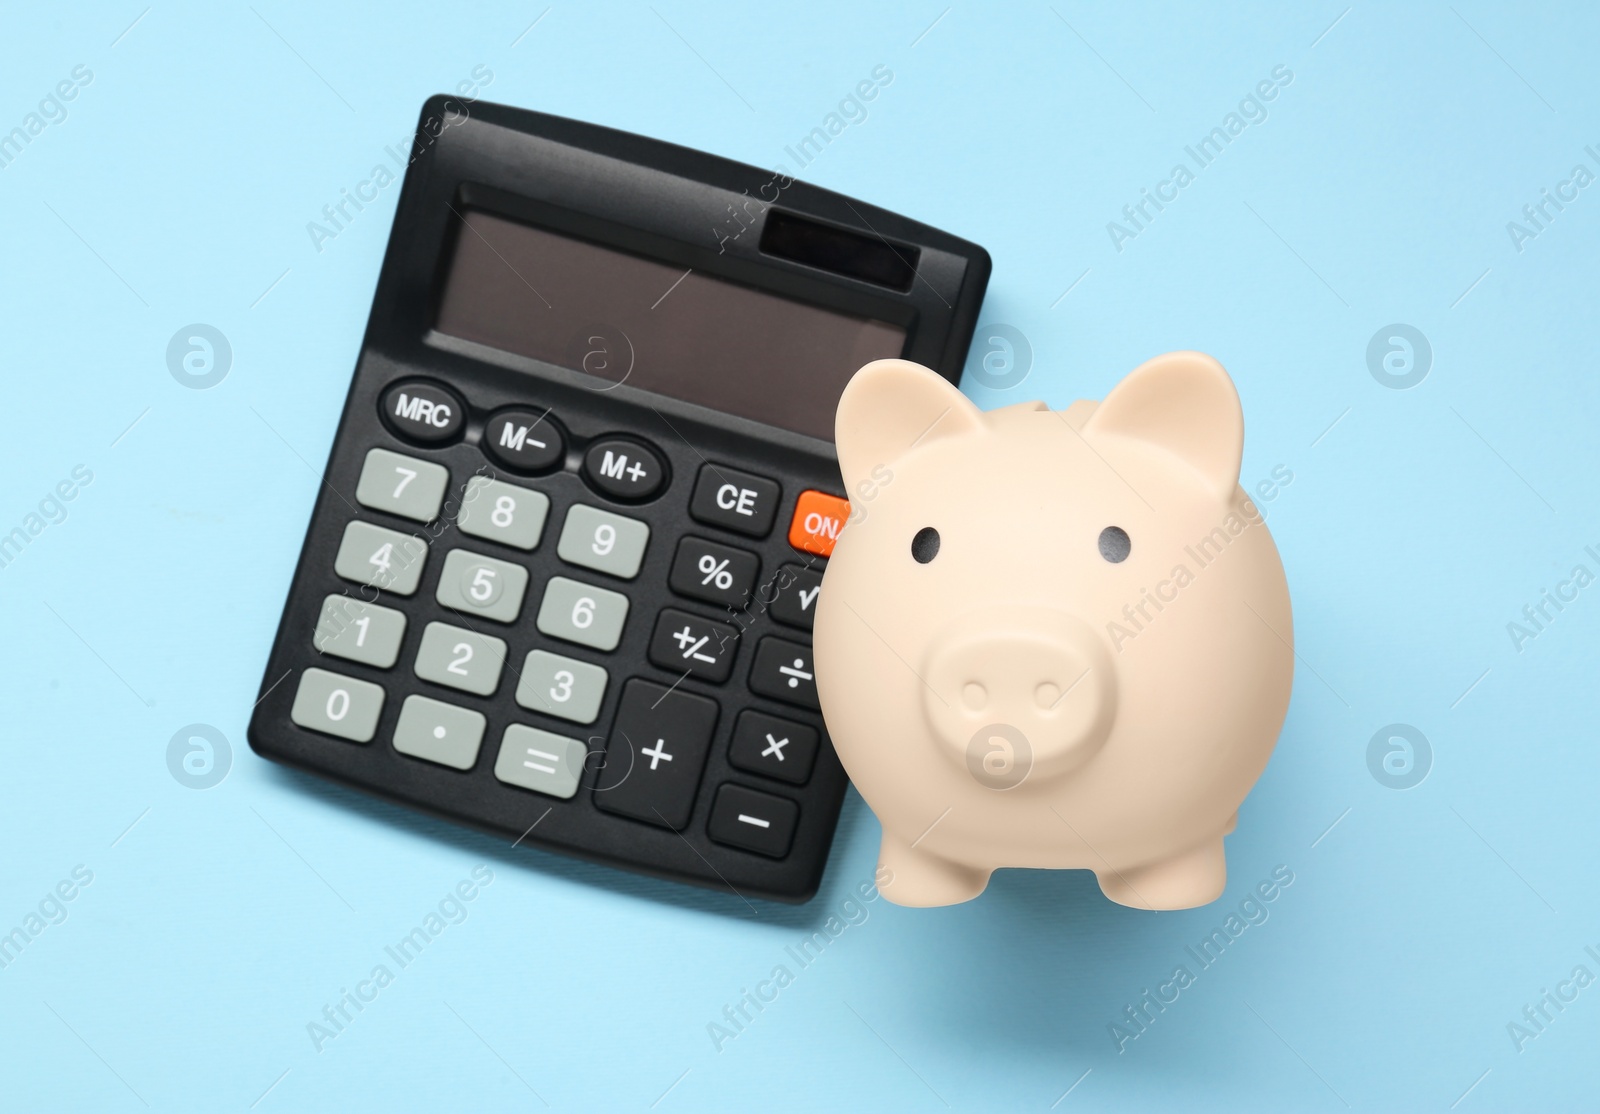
(503,512)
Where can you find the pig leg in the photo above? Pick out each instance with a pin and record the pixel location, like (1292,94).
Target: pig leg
(920,879)
(1192,878)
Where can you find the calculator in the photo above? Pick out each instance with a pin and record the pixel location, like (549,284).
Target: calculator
(559,577)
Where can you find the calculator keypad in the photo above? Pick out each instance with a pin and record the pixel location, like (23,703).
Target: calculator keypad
(402,485)
(648,761)
(562,687)
(655,754)
(364,632)
(582,613)
(479,585)
(438,732)
(603,541)
(381,558)
(719,574)
(460,659)
(337,705)
(502,512)
(687,644)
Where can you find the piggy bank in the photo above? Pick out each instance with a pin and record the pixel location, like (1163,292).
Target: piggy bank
(1052,638)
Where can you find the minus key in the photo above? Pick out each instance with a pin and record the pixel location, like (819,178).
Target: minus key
(753,821)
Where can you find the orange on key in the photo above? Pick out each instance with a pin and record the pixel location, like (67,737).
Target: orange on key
(818,518)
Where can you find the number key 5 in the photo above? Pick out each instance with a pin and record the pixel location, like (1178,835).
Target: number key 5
(478,585)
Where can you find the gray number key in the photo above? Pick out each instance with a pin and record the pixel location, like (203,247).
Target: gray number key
(582,613)
(600,540)
(561,687)
(538,760)
(359,631)
(462,659)
(402,485)
(439,732)
(503,512)
(481,585)
(336,705)
(383,558)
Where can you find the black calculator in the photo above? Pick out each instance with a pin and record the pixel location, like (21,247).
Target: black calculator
(559,578)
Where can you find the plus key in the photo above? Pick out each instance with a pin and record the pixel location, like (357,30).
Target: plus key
(655,754)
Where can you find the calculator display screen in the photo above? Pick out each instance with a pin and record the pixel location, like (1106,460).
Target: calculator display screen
(655,325)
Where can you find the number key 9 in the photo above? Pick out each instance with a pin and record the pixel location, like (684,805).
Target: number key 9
(609,543)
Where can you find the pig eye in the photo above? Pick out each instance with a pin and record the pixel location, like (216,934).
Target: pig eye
(1115,545)
(925,546)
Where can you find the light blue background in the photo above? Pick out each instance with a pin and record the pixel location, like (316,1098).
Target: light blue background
(220,922)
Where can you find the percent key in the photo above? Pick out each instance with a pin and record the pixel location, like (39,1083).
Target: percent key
(719,574)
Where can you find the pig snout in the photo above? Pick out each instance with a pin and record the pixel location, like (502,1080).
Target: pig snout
(1018,693)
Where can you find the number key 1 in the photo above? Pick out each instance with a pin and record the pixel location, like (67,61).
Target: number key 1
(364,632)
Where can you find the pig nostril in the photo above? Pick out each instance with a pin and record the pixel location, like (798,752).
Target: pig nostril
(1047,694)
(974,695)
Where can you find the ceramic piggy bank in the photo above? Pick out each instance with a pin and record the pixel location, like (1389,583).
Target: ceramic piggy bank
(1052,638)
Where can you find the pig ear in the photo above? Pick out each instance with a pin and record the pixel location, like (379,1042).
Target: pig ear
(1185,403)
(889,406)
